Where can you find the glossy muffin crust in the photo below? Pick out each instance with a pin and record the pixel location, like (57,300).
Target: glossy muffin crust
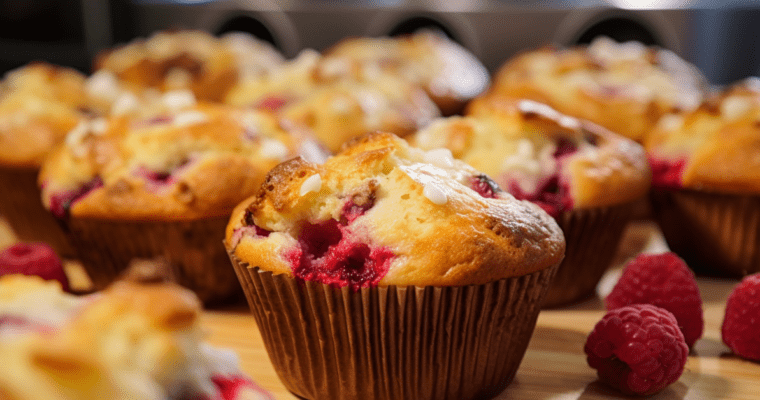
(382,213)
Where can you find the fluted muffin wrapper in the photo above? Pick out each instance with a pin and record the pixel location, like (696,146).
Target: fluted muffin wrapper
(394,342)
(21,205)
(592,237)
(716,234)
(192,250)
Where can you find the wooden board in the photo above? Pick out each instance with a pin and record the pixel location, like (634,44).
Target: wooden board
(554,366)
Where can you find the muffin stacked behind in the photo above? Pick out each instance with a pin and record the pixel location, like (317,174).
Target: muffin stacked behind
(624,87)
(39,104)
(390,272)
(190,60)
(336,111)
(448,72)
(706,181)
(144,186)
(584,176)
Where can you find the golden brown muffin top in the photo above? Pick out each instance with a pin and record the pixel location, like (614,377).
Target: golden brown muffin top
(138,339)
(383,213)
(39,104)
(191,60)
(448,72)
(539,154)
(336,110)
(714,147)
(186,161)
(624,87)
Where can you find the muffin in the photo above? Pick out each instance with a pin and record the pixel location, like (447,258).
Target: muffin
(368,273)
(336,111)
(39,104)
(586,177)
(448,72)
(164,185)
(624,87)
(192,60)
(139,339)
(706,181)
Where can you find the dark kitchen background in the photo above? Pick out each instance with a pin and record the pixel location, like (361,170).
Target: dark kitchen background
(720,37)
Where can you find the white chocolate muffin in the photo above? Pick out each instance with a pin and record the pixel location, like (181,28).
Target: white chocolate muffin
(383,213)
(138,339)
(191,60)
(448,72)
(624,87)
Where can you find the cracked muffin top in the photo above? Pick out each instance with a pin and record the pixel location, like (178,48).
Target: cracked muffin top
(191,60)
(183,160)
(714,147)
(336,110)
(538,154)
(383,213)
(624,87)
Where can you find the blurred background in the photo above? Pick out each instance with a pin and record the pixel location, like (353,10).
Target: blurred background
(720,37)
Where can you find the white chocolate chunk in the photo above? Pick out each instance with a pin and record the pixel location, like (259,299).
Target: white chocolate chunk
(178,99)
(440,158)
(188,118)
(311,184)
(435,194)
(271,148)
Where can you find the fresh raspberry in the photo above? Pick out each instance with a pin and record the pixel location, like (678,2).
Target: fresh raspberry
(33,259)
(741,325)
(637,349)
(237,387)
(665,281)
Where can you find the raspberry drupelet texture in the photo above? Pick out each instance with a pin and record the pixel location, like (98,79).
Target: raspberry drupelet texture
(663,280)
(741,324)
(37,259)
(637,349)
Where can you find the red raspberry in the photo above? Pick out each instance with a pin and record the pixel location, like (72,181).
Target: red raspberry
(232,387)
(741,325)
(33,259)
(637,349)
(665,281)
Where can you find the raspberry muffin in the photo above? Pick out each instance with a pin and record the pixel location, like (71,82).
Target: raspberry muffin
(586,177)
(706,181)
(337,111)
(164,186)
(448,72)
(139,339)
(191,60)
(39,104)
(624,87)
(368,273)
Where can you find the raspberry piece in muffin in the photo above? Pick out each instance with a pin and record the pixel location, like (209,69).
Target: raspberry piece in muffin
(637,349)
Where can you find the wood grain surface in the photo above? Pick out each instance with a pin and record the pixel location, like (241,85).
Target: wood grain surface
(554,366)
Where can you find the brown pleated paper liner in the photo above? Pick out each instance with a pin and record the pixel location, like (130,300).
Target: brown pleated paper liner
(716,234)
(21,205)
(592,237)
(394,343)
(193,251)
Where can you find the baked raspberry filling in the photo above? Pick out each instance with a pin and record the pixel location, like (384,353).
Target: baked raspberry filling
(329,254)
(552,194)
(235,388)
(60,203)
(351,210)
(155,177)
(19,324)
(667,174)
(485,186)
(272,103)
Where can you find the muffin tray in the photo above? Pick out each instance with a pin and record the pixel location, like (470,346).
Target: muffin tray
(554,366)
